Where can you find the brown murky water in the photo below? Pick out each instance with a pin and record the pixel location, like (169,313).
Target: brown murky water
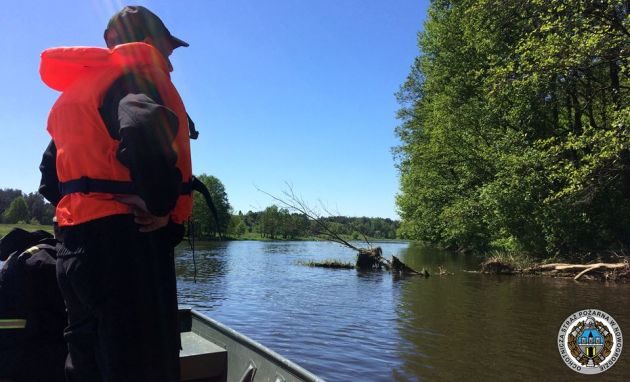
(345,325)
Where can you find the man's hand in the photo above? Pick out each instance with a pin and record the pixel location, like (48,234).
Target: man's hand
(143,217)
(148,222)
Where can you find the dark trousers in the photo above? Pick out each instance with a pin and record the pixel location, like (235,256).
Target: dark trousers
(31,361)
(120,291)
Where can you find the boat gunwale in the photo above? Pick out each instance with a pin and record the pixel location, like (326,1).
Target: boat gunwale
(290,366)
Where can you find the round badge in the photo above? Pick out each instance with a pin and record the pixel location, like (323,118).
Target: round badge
(590,341)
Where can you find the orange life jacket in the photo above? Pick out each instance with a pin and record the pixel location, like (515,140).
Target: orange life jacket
(86,153)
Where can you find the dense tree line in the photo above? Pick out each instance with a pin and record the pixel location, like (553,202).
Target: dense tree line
(516,127)
(272,223)
(18,207)
(280,223)
(206,225)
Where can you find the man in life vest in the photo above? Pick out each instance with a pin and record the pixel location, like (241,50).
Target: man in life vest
(32,312)
(120,151)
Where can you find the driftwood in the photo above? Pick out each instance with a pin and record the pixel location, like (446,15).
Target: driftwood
(443,272)
(403,269)
(602,270)
(370,258)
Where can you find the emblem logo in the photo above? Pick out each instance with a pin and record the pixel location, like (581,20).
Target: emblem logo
(590,341)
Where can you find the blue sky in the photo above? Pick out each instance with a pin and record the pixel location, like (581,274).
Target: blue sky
(282,91)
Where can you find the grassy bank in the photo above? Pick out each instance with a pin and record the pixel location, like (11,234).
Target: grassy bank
(512,260)
(336,264)
(258,237)
(6,228)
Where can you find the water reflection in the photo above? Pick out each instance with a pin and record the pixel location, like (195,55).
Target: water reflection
(201,281)
(346,325)
(488,327)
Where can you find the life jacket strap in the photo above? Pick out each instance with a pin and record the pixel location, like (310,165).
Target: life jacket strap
(187,188)
(86,185)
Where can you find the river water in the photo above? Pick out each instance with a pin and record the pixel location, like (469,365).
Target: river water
(345,325)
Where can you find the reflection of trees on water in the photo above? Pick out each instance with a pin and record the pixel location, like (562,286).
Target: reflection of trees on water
(371,277)
(418,256)
(210,260)
(211,264)
(484,326)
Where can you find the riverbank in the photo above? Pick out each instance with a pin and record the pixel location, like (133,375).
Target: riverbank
(617,269)
(6,228)
(253,236)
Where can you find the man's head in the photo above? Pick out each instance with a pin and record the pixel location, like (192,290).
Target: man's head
(138,24)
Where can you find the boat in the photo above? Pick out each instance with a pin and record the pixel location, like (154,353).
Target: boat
(213,352)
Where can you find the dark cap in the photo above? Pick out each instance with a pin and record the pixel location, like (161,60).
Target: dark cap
(135,23)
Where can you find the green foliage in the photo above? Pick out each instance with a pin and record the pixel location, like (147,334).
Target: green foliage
(6,228)
(237,227)
(515,128)
(17,211)
(203,221)
(279,223)
(7,195)
(270,222)
(39,210)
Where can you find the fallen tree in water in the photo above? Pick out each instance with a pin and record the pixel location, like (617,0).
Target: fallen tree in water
(599,271)
(370,258)
(605,271)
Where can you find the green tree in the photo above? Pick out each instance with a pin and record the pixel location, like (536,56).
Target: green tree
(237,226)
(37,208)
(203,220)
(16,212)
(515,127)
(7,195)
(270,222)
(251,220)
(292,225)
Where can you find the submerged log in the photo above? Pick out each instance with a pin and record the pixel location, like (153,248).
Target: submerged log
(402,268)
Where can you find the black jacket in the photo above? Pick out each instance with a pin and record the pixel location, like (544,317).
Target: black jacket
(28,291)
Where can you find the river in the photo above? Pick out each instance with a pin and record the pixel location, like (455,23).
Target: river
(345,325)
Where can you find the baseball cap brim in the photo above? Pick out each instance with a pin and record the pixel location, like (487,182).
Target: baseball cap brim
(135,23)
(176,42)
